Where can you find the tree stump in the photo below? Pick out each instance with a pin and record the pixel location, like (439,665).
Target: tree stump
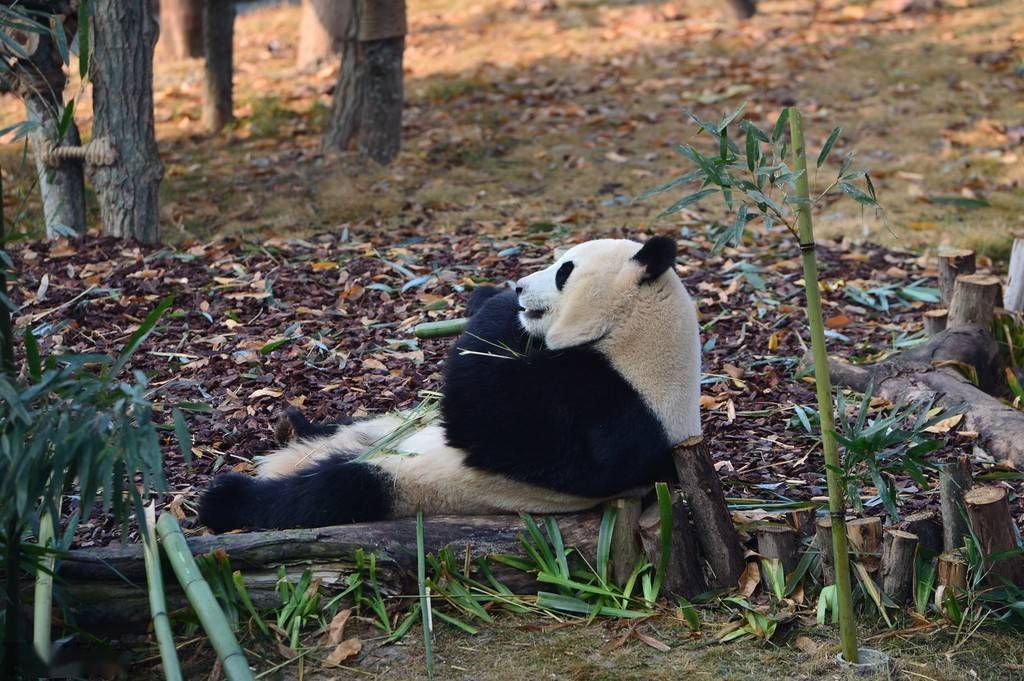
(367,106)
(954,480)
(219,31)
(802,521)
(1015,281)
(715,530)
(928,529)
(952,263)
(625,548)
(898,552)
(866,540)
(974,300)
(823,542)
(993,526)
(744,9)
(684,575)
(778,542)
(952,571)
(935,321)
(124,32)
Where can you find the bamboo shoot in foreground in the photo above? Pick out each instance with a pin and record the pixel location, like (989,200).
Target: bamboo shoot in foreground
(44,592)
(202,600)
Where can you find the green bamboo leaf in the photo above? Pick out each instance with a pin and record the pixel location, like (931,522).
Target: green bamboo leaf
(183,436)
(780,127)
(665,513)
(604,541)
(687,201)
(827,149)
(731,117)
(35,367)
(140,335)
(856,194)
(66,119)
(686,178)
(689,613)
(83,38)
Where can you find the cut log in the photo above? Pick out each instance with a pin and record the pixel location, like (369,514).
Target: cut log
(684,575)
(1014,300)
(898,554)
(954,480)
(778,542)
(952,571)
(952,263)
(992,523)
(866,540)
(928,529)
(625,549)
(802,521)
(823,541)
(108,589)
(975,297)
(935,321)
(931,372)
(719,541)
(219,27)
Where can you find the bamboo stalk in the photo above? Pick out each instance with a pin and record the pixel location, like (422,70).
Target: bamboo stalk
(232,659)
(157,602)
(43,600)
(836,502)
(442,329)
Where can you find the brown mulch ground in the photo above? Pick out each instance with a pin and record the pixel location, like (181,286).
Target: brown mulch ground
(325,324)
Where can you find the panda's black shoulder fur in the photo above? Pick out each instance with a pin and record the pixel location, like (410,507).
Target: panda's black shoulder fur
(564,420)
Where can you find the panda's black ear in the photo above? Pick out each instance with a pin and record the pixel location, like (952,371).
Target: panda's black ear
(657,255)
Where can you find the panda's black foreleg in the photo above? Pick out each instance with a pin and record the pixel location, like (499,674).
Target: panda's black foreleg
(294,424)
(332,492)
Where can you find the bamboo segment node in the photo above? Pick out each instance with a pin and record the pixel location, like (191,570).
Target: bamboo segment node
(989,511)
(952,263)
(974,300)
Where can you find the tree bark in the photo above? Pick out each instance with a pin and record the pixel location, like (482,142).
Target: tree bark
(778,542)
(898,564)
(219,31)
(823,540)
(322,30)
(928,530)
(932,372)
(953,263)
(715,530)
(975,297)
(625,548)
(684,575)
(181,28)
(954,480)
(866,539)
(107,585)
(367,106)
(935,321)
(993,526)
(122,77)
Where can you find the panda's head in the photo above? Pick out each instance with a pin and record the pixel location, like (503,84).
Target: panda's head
(593,289)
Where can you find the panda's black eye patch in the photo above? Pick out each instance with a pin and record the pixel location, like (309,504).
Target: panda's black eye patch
(562,275)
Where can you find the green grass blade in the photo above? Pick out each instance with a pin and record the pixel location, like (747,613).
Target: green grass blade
(421,580)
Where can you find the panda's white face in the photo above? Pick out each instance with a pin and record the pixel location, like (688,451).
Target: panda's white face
(591,289)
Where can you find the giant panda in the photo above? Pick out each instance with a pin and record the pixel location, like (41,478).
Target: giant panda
(569,389)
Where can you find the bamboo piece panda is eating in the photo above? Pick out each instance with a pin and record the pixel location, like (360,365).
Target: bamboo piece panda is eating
(569,390)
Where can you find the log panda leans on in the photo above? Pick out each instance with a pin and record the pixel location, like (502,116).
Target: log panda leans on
(567,391)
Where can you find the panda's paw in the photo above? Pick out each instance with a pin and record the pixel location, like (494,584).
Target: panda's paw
(223,506)
(293,424)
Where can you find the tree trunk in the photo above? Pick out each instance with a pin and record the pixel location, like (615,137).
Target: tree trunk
(744,9)
(181,28)
(322,30)
(954,480)
(975,297)
(928,530)
(625,548)
(778,542)
(40,82)
(866,540)
(898,564)
(993,526)
(367,106)
(219,31)
(684,575)
(952,263)
(122,77)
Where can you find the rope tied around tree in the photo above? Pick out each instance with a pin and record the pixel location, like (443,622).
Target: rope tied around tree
(97,152)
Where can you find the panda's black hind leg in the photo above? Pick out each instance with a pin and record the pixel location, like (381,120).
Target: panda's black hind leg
(294,424)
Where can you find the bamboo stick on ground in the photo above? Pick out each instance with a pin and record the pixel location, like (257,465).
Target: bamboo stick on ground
(157,602)
(203,602)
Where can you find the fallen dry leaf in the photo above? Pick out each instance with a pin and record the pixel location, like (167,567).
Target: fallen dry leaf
(336,629)
(343,651)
